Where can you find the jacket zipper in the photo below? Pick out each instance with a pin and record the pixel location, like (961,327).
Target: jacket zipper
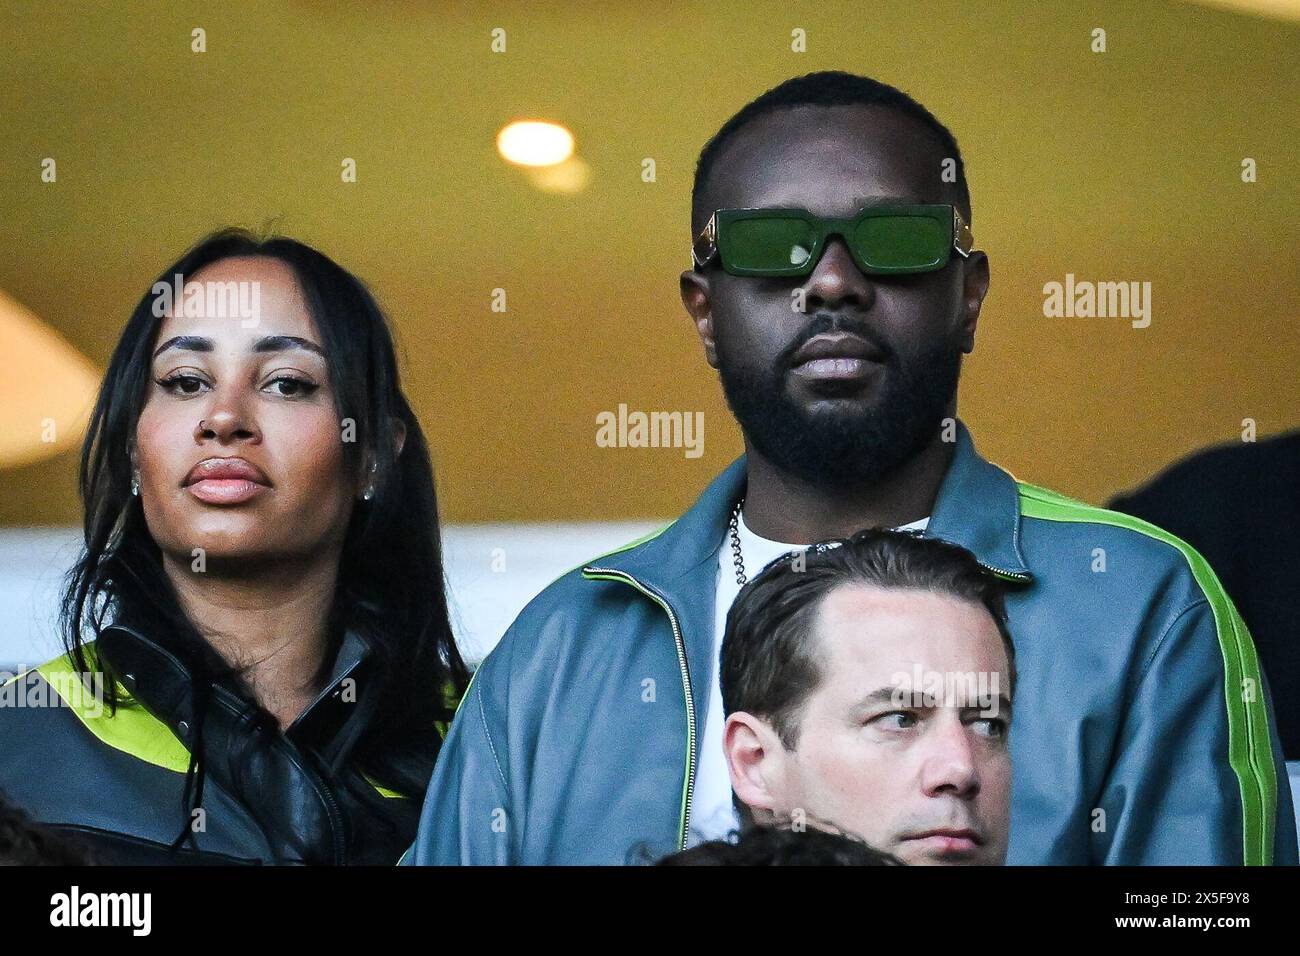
(336,824)
(333,811)
(649,592)
(1001,573)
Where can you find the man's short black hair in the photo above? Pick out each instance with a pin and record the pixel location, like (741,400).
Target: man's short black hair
(826,88)
(783,846)
(770,659)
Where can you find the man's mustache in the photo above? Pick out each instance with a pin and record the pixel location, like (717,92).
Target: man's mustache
(824,322)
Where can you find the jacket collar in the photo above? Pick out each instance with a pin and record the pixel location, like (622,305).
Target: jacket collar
(287,792)
(162,683)
(978,507)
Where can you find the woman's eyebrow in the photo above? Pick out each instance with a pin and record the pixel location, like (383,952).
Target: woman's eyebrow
(189,343)
(268,343)
(283,343)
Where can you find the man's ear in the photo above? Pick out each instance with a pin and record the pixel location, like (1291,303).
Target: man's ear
(754,759)
(696,298)
(975,286)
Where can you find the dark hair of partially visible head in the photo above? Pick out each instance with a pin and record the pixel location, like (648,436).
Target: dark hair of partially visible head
(390,582)
(24,842)
(783,846)
(825,88)
(770,653)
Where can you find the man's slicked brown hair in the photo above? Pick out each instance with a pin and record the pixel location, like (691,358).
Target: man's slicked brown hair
(771,661)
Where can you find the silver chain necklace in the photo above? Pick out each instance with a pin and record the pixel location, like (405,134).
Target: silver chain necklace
(737,558)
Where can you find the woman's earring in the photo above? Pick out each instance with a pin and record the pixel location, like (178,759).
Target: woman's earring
(135,486)
(368,493)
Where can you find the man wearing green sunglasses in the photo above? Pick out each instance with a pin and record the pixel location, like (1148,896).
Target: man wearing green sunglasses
(883,239)
(835,288)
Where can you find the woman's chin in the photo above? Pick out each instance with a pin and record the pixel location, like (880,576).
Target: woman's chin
(226,550)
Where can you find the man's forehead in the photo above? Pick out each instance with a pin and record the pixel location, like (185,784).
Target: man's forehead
(865,628)
(829,160)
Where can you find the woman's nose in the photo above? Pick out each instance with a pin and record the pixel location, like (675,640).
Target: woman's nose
(226,421)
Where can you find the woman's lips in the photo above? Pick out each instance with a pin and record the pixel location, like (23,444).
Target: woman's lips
(225,491)
(226,481)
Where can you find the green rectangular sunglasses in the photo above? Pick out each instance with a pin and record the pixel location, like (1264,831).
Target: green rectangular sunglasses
(886,239)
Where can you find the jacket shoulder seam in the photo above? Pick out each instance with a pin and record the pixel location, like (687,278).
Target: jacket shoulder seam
(1168,629)
(1074,511)
(487,734)
(634,543)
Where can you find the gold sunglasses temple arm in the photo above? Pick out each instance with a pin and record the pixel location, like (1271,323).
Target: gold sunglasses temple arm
(706,241)
(963,239)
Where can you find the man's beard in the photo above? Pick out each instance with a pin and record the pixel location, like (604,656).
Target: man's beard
(846,444)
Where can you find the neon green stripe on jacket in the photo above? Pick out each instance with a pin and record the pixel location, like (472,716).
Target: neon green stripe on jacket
(1249,746)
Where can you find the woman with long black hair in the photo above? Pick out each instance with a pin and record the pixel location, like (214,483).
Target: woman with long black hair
(259,662)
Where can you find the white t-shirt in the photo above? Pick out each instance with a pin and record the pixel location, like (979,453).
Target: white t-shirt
(712,813)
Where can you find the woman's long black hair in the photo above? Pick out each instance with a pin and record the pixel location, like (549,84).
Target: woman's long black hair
(390,581)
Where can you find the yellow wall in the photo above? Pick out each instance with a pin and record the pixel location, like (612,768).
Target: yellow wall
(1115,166)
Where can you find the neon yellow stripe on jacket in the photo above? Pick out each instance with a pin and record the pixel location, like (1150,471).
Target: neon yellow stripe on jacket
(131,729)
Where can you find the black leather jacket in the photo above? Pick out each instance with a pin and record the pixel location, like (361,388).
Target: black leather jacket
(119,780)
